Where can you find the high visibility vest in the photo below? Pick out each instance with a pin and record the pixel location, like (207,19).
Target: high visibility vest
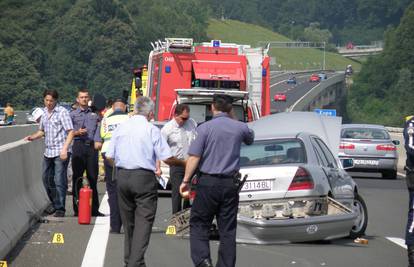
(108,125)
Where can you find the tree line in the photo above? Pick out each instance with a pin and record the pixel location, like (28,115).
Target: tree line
(383,92)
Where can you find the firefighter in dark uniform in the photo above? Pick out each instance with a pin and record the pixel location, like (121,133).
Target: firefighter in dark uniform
(409,168)
(216,152)
(84,154)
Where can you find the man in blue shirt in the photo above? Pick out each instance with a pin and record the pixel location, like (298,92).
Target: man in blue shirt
(135,147)
(216,151)
(85,156)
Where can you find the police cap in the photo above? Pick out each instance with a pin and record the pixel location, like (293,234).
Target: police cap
(120,99)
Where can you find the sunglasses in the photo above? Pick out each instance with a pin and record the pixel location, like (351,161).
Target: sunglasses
(184,119)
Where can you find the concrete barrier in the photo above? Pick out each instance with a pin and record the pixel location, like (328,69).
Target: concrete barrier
(13,133)
(22,194)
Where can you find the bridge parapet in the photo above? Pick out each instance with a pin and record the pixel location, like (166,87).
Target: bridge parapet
(325,93)
(22,194)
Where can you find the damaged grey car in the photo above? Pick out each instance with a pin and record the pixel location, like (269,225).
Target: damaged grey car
(297,189)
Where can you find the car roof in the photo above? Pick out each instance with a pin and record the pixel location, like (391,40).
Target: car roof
(290,124)
(356,125)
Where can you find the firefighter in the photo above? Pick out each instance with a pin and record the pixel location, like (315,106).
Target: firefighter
(108,125)
(217,150)
(409,168)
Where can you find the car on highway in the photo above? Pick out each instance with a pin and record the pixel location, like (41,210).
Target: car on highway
(323,76)
(291,80)
(279,97)
(297,189)
(371,148)
(314,78)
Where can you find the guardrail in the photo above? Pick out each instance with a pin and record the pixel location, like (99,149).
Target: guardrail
(22,194)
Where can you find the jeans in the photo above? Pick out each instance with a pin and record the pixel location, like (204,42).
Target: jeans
(55,180)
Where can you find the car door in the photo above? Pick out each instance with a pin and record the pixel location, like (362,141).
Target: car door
(340,182)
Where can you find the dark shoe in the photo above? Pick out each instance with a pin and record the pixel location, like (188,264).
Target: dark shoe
(410,252)
(50,210)
(98,214)
(205,263)
(59,213)
(114,231)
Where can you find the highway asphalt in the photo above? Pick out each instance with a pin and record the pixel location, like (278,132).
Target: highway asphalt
(387,202)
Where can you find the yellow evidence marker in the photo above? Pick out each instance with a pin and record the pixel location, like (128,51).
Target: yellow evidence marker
(171,230)
(3,263)
(58,238)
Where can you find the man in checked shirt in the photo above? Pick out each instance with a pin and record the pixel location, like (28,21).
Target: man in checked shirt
(56,126)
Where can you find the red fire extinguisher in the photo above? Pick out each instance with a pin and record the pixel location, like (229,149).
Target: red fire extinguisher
(85,203)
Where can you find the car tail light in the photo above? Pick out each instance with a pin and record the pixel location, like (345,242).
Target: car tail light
(386,147)
(346,146)
(301,181)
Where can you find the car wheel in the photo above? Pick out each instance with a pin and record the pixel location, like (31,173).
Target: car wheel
(361,221)
(389,174)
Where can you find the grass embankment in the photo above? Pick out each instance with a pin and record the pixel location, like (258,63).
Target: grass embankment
(288,59)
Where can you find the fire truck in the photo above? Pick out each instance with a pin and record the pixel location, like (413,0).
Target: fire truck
(181,71)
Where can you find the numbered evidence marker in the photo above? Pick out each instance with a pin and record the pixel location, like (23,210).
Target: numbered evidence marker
(3,263)
(171,230)
(58,238)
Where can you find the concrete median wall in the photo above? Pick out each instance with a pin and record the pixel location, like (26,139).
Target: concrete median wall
(13,133)
(22,195)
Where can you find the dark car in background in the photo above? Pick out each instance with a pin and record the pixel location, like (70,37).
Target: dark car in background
(371,148)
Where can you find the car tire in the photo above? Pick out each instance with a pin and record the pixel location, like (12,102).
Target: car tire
(389,174)
(361,222)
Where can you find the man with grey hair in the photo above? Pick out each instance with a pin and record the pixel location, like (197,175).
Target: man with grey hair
(135,147)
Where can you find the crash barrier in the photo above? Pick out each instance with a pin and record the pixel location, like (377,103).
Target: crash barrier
(13,133)
(22,194)
(322,90)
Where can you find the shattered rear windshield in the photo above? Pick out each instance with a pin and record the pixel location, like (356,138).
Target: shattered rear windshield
(270,152)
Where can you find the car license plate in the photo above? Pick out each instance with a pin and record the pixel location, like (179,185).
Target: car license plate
(366,162)
(258,185)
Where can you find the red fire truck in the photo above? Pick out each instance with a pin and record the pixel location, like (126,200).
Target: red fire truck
(178,64)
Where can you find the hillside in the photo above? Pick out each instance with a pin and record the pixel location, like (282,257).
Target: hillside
(289,59)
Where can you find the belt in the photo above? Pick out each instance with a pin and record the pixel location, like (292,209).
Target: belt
(137,169)
(218,175)
(85,141)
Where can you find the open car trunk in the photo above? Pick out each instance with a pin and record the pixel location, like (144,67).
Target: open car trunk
(284,221)
(200,100)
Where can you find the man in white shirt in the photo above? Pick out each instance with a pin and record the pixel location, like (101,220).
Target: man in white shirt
(179,133)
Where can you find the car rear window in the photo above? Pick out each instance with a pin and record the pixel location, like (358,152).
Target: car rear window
(364,133)
(272,152)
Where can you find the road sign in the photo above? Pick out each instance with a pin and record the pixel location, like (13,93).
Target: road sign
(326,112)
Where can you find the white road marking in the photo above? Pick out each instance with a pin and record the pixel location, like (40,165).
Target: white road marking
(398,241)
(96,249)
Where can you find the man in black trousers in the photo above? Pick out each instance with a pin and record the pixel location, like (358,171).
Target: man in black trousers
(84,155)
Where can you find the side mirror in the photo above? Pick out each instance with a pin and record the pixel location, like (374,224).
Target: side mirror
(396,142)
(347,163)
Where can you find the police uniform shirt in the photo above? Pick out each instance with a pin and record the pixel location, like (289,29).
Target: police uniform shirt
(179,138)
(86,119)
(136,143)
(218,144)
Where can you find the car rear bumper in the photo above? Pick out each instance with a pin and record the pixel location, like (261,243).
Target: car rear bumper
(374,164)
(262,231)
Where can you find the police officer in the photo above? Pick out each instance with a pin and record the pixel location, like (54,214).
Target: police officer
(409,168)
(108,125)
(85,156)
(216,151)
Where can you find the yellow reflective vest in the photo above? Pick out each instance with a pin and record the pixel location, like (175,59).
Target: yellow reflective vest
(108,125)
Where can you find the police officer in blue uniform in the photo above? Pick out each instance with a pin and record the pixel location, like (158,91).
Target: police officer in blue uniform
(216,151)
(409,168)
(84,155)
